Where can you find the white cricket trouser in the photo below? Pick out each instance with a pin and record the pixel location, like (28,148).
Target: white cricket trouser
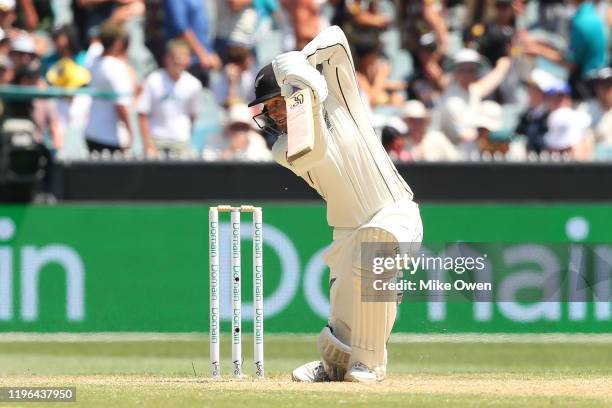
(366,326)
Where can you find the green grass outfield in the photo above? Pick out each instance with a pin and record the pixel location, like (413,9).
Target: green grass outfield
(152,370)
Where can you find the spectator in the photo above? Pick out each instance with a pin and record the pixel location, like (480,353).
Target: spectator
(597,107)
(587,47)
(533,121)
(567,127)
(417,18)
(35,14)
(108,127)
(155,38)
(168,104)
(6,70)
(489,126)
(42,111)
(394,143)
(239,140)
(424,143)
(5,43)
(603,128)
(236,24)
(188,20)
(603,131)
(235,83)
(8,17)
(493,37)
(493,40)
(306,20)
(23,50)
(48,133)
(553,16)
(427,80)
(66,43)
(68,75)
(89,15)
(459,103)
(373,76)
(361,20)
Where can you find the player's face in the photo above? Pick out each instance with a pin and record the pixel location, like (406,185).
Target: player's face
(277,111)
(273,118)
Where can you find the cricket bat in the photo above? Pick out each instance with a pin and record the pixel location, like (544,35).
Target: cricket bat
(300,124)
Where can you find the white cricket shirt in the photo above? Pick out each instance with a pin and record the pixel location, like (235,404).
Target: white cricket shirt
(348,167)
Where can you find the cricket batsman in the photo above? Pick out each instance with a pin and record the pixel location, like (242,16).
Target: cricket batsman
(367,200)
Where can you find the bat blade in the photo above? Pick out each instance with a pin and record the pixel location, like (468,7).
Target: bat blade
(300,124)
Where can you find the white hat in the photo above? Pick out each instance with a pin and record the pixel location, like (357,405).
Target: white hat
(467,56)
(543,80)
(396,123)
(566,127)
(7,5)
(490,116)
(23,43)
(239,113)
(415,109)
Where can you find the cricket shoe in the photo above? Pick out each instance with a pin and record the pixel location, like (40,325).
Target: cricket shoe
(359,372)
(310,372)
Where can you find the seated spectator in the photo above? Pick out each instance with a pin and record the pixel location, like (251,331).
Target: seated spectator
(239,140)
(603,131)
(5,43)
(491,135)
(235,83)
(42,111)
(373,76)
(188,20)
(168,104)
(6,70)
(425,144)
(602,103)
(394,143)
(587,47)
(108,127)
(567,127)
(66,43)
(533,121)
(23,50)
(459,103)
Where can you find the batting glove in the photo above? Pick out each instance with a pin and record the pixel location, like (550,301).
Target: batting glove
(292,69)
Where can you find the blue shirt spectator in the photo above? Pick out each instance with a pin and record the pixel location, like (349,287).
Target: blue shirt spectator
(188,20)
(184,15)
(587,49)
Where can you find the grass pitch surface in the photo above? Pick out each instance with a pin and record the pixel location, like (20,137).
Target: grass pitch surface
(424,371)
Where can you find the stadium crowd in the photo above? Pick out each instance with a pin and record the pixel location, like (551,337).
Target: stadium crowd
(444,80)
